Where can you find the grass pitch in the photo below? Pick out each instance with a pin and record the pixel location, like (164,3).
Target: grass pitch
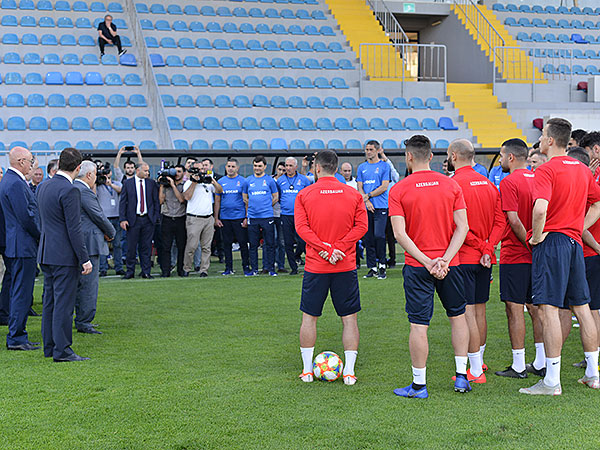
(213,363)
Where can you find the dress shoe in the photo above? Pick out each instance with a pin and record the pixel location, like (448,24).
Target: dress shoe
(120,272)
(165,275)
(264,272)
(90,330)
(197,269)
(32,313)
(203,275)
(73,357)
(184,274)
(22,347)
(127,276)
(102,273)
(282,271)
(147,276)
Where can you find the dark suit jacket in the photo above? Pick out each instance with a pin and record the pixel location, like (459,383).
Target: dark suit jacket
(128,202)
(21,217)
(62,242)
(93,221)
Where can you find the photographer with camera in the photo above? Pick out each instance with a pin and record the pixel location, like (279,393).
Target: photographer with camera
(108,192)
(173,209)
(129,166)
(200,222)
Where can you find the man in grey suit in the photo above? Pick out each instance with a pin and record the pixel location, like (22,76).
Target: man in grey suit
(97,230)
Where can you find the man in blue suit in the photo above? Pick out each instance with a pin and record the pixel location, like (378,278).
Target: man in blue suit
(97,229)
(20,212)
(5,292)
(139,212)
(62,254)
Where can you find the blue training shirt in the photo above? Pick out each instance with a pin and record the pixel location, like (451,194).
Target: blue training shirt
(260,200)
(372,176)
(232,202)
(340,178)
(288,190)
(496,175)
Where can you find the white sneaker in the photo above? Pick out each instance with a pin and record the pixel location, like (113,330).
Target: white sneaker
(541,388)
(349,380)
(306,377)
(591,382)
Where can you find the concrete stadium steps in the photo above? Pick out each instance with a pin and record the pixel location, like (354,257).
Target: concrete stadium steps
(359,24)
(517,55)
(483,114)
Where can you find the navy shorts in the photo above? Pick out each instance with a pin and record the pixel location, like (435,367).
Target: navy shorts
(419,287)
(558,273)
(592,272)
(477,283)
(515,283)
(344,292)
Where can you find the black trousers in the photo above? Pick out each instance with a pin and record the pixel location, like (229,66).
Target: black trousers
(374,240)
(139,237)
(391,240)
(290,237)
(172,228)
(233,231)
(116,41)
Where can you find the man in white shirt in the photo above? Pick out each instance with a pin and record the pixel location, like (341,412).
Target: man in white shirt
(346,171)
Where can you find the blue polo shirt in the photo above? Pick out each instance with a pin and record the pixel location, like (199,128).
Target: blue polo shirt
(496,175)
(372,176)
(260,200)
(232,202)
(340,178)
(288,189)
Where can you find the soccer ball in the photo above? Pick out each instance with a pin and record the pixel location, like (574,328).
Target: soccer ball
(328,366)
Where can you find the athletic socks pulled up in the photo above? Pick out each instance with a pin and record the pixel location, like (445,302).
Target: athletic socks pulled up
(419,378)
(552,371)
(475,362)
(461,364)
(540,356)
(518,363)
(591,358)
(307,359)
(350,356)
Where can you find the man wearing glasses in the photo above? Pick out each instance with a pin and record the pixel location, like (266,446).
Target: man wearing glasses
(21,221)
(107,34)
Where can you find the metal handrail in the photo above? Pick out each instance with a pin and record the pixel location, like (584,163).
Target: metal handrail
(481,22)
(387,19)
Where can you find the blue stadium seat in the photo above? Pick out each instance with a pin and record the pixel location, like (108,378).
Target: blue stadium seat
(12,58)
(366,103)
(191,61)
(538,23)
(237,45)
(61,145)
(156,60)
(293,29)
(59,124)
(168,101)
(278,144)
(272,13)
(97,7)
(9,21)
(271,46)
(97,101)
(254,45)
(216,81)
(162,79)
(383,103)
(151,42)
(115,7)
(578,70)
(342,124)
(277,101)
(198,81)
(349,103)
(256,13)
(445,123)
(301,46)
(174,123)
(296,144)
(524,22)
(592,70)
(72,78)
(10,38)
(220,144)
(227,62)
(68,40)
(54,78)
(214,27)
(269,123)
(174,10)
(337,83)
(64,22)
(247,28)
(578,39)
(157,9)
(46,22)
(185,101)
(287,82)
(13,78)
(34,78)
(433,103)
(416,103)
(39,145)
(77,101)
(15,123)
(359,123)
(212,123)
(316,144)
(8,4)
(328,64)
(412,124)
(270,82)
(324,124)
(101,124)
(240,144)
(242,101)
(85,41)
(305,83)
(168,42)
(174,61)
(192,123)
(117,101)
(122,123)
(250,123)
(132,79)
(191,10)
(230,27)
(277,29)
(537,37)
(262,63)
(209,61)
(524,37)
(231,123)
(563,10)
(142,123)
(186,43)
(429,124)
(316,15)
(287,124)
(178,80)
(395,124)
(223,11)
(389,144)
(332,103)
(80,124)
(138,100)
(36,101)
(146,24)
(550,37)
(56,101)
(207,11)
(261,101)
(93,79)
(296,102)
(307,124)
(200,144)
(70,59)
(113,79)
(29,58)
(29,39)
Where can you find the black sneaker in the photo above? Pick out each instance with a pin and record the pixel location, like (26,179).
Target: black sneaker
(539,372)
(203,275)
(381,274)
(294,272)
(372,273)
(579,365)
(511,373)
(122,52)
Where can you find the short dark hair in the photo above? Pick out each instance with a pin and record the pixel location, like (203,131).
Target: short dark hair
(579,154)
(260,159)
(130,162)
(328,160)
(281,163)
(560,130)
(193,158)
(233,160)
(590,139)
(108,15)
(51,165)
(374,143)
(538,153)
(516,147)
(419,146)
(69,159)
(180,166)
(209,160)
(578,135)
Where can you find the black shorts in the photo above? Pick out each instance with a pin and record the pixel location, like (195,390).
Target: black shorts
(558,273)
(592,272)
(419,287)
(477,283)
(344,292)
(515,283)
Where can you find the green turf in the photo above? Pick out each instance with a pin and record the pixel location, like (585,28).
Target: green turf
(214,363)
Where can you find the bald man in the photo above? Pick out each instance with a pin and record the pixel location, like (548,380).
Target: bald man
(22,233)
(346,171)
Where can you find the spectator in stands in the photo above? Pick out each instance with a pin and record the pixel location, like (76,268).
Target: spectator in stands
(173,208)
(108,196)
(576,137)
(130,166)
(107,34)
(536,159)
(37,176)
(52,167)
(346,171)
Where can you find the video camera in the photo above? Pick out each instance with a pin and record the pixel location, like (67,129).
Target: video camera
(198,175)
(167,170)
(102,172)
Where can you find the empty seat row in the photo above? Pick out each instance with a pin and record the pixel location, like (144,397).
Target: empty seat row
(73,78)
(229,27)
(577,69)
(551,23)
(575,38)
(74,101)
(61,22)
(239,45)
(17,123)
(563,53)
(88,59)
(546,10)
(295,144)
(261,63)
(81,145)
(61,5)
(224,11)
(84,40)
(308,124)
(272,82)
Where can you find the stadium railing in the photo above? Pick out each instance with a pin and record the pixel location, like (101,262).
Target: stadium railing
(388,21)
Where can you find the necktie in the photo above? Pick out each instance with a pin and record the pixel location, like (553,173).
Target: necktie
(142,198)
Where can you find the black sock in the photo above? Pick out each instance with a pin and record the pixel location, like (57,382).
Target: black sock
(417,387)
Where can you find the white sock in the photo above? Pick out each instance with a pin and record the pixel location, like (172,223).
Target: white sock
(540,356)
(419,376)
(518,364)
(461,364)
(475,362)
(307,359)
(482,351)
(350,361)
(591,358)
(552,371)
